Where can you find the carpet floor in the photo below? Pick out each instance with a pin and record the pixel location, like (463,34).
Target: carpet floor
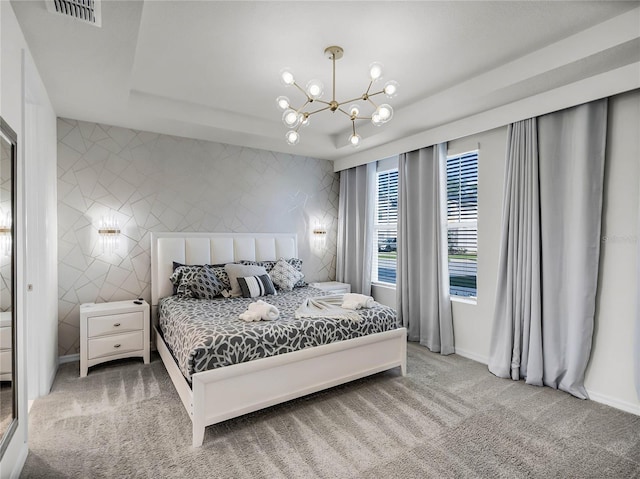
(448,418)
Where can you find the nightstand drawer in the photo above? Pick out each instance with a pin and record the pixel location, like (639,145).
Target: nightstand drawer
(5,362)
(115,344)
(115,323)
(5,338)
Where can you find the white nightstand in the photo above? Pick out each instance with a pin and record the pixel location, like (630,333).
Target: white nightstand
(5,346)
(113,331)
(333,286)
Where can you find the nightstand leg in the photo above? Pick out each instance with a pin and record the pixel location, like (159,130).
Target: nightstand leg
(83,369)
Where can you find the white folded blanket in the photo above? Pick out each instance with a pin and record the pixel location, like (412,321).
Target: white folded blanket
(266,311)
(357,301)
(250,316)
(325,307)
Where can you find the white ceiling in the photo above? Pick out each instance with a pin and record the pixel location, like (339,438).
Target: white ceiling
(210,70)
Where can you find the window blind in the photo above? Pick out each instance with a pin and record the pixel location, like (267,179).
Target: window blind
(462,222)
(386,224)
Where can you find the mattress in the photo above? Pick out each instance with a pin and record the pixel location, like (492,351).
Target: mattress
(207,334)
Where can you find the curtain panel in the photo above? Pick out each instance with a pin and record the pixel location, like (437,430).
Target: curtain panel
(545,304)
(422,289)
(356,210)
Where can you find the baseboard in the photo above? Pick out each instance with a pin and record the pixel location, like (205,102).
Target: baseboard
(22,458)
(69,358)
(471,355)
(613,402)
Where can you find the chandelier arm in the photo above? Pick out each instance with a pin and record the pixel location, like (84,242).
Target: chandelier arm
(302,90)
(353,124)
(369,87)
(358,98)
(376,93)
(371,101)
(348,114)
(323,102)
(318,111)
(305,104)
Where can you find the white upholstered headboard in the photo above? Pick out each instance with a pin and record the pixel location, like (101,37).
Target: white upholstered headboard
(211,248)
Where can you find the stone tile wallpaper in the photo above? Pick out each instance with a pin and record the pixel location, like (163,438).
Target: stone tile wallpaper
(153,182)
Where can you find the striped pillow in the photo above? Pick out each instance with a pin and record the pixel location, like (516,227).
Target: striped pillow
(254,286)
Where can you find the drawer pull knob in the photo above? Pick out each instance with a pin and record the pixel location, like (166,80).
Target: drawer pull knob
(116,325)
(116,345)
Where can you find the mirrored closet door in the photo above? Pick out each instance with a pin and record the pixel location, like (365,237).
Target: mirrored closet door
(8,386)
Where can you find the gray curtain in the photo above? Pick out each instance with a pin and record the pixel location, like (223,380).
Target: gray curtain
(422,289)
(356,209)
(637,342)
(552,349)
(516,339)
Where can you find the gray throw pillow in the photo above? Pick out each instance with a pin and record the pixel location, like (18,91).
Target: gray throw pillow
(235,271)
(205,284)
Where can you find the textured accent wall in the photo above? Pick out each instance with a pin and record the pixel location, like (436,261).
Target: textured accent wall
(152,182)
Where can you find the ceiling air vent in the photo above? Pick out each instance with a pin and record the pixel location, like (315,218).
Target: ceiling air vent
(88,11)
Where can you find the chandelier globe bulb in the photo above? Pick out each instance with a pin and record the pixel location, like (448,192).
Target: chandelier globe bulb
(391,88)
(354,140)
(315,89)
(287,77)
(386,112)
(292,137)
(375,71)
(282,102)
(290,118)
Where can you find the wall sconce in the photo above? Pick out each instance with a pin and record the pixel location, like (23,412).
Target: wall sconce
(5,234)
(109,232)
(319,233)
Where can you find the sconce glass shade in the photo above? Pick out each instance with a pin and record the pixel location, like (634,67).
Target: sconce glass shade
(109,233)
(5,234)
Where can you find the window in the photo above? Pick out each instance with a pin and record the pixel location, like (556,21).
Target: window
(385,227)
(462,223)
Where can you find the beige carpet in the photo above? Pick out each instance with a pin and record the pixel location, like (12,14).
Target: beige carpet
(448,418)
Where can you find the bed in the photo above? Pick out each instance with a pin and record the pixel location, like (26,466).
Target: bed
(257,379)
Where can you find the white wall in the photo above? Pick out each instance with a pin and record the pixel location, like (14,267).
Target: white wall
(609,376)
(472,322)
(16,76)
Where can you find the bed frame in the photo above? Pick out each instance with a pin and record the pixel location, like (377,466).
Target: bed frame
(232,391)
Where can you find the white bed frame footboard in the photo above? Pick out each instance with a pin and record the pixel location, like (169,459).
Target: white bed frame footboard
(232,391)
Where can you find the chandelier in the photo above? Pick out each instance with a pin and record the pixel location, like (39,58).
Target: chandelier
(295,118)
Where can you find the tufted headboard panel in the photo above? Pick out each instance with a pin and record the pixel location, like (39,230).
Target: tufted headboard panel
(211,248)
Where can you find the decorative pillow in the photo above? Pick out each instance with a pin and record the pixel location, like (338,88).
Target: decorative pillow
(284,275)
(297,264)
(254,286)
(182,277)
(268,265)
(220,273)
(236,271)
(205,284)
